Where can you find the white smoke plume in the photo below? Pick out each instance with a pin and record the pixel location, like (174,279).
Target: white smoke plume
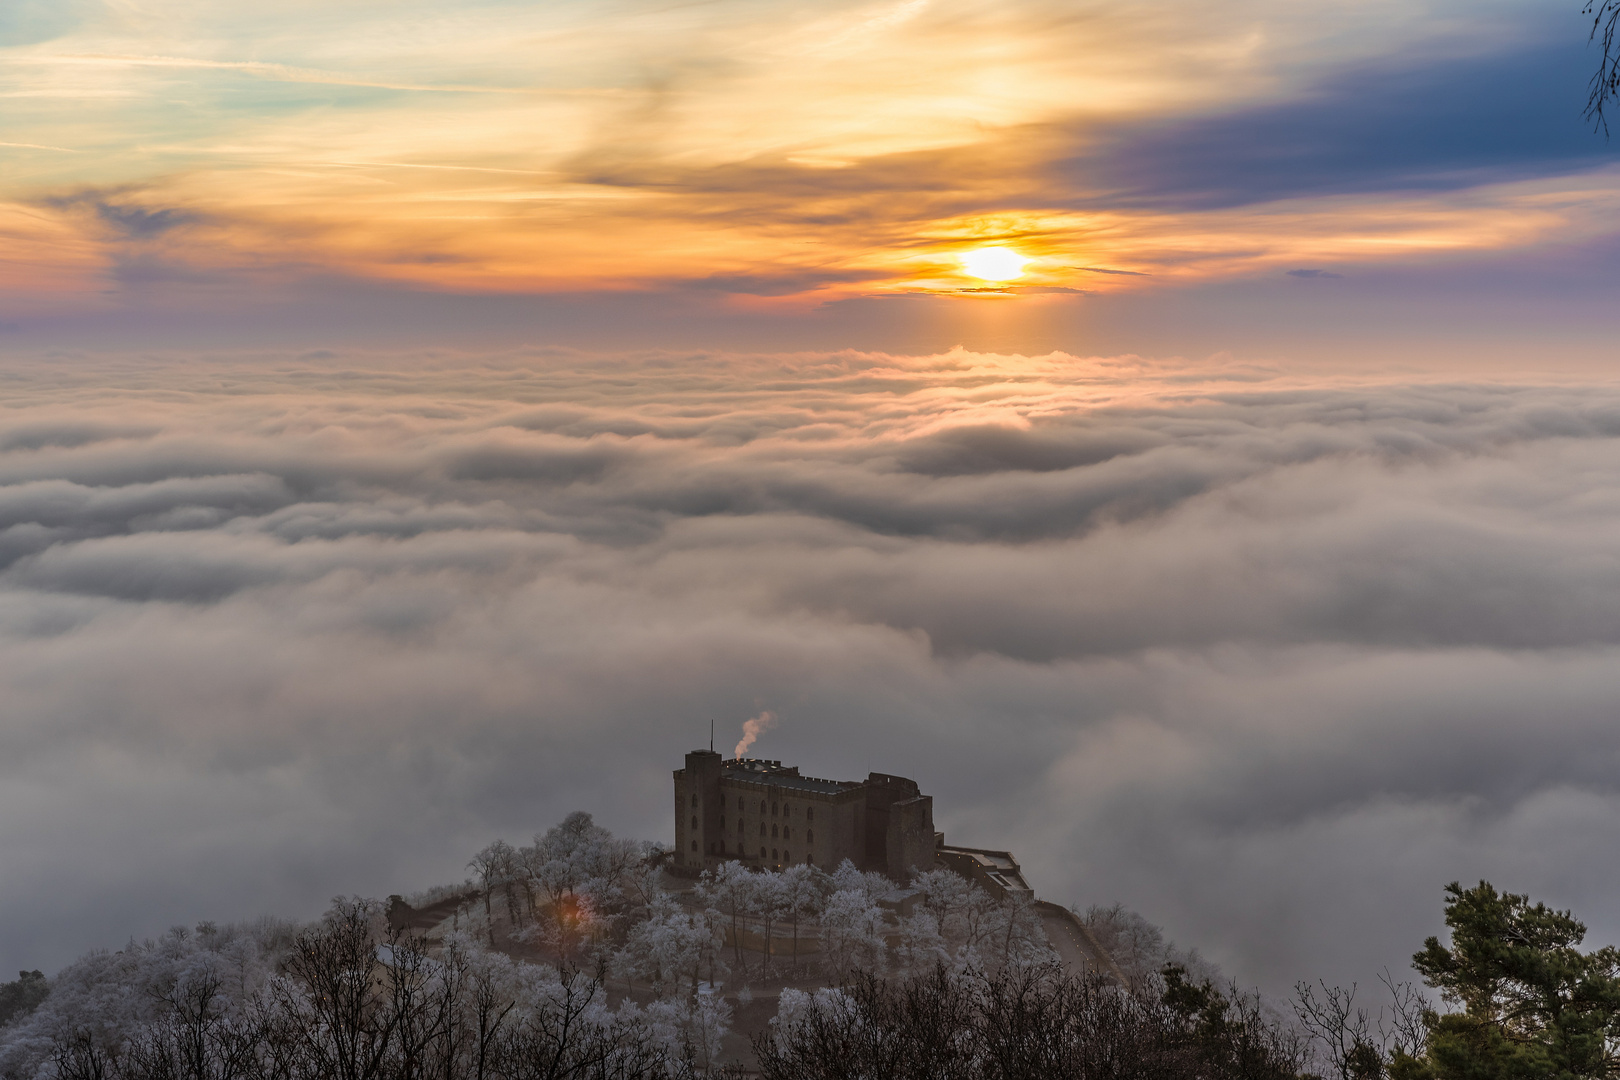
(753,729)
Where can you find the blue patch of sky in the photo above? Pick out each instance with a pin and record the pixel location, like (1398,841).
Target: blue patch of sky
(1408,123)
(29,22)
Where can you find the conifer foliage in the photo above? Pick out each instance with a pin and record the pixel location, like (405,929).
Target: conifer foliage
(1526,1002)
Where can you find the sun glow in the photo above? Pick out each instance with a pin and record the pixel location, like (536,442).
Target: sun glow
(993,263)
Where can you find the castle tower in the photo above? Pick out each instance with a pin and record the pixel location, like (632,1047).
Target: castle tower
(899,826)
(697,810)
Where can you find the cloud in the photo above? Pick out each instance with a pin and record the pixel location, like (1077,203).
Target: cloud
(119,210)
(1269,658)
(1313,274)
(1421,121)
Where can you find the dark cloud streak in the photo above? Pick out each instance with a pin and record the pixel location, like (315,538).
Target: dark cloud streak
(1417,122)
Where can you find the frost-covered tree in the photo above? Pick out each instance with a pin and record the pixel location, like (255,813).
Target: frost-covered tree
(728,892)
(101,1003)
(672,951)
(846,878)
(852,927)
(1014,934)
(691,1027)
(580,869)
(803,890)
(961,911)
(768,903)
(1141,950)
(347,998)
(919,945)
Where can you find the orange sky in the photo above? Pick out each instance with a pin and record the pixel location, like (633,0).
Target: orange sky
(782,154)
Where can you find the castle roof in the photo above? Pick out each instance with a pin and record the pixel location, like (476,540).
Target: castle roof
(774,773)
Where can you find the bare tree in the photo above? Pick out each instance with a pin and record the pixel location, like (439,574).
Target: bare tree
(1401,1028)
(1605,84)
(571,1037)
(335,1008)
(78,1055)
(1343,1030)
(494,866)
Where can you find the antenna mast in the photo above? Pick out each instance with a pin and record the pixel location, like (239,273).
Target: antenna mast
(711,734)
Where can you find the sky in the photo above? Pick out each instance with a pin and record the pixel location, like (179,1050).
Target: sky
(418,422)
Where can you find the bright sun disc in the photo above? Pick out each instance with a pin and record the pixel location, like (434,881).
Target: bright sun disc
(993,263)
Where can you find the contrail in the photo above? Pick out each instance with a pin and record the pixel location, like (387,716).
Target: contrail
(753,729)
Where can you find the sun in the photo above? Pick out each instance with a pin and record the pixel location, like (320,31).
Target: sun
(993,263)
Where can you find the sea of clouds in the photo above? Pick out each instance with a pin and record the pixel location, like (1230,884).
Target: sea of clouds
(1270,659)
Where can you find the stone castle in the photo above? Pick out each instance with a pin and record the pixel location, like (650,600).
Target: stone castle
(766,816)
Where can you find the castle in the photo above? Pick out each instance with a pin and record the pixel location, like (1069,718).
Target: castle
(766,816)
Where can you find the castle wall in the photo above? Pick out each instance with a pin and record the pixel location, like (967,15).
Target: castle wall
(769,817)
(767,825)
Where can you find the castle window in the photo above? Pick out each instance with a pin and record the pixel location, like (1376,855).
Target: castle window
(739,804)
(694,821)
(694,845)
(807,861)
(773,809)
(809,813)
(762,806)
(694,798)
(786,832)
(809,836)
(787,856)
(773,854)
(787,810)
(762,828)
(762,852)
(773,832)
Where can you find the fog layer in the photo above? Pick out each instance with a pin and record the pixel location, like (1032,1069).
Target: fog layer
(1269,660)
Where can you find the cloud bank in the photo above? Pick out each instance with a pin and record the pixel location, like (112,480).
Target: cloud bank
(1269,659)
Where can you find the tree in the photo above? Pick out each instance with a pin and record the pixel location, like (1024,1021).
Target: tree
(728,890)
(1228,1034)
(23,996)
(964,914)
(669,950)
(576,865)
(1341,1028)
(852,934)
(1529,1003)
(1015,932)
(334,1013)
(770,903)
(1605,85)
(803,889)
(1019,1023)
(494,866)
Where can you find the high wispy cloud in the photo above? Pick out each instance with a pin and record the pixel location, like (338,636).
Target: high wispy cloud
(1270,659)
